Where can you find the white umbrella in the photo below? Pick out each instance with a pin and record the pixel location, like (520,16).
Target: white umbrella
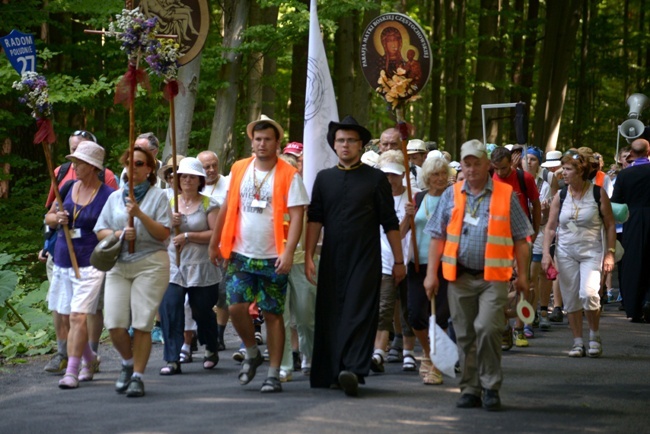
(444,353)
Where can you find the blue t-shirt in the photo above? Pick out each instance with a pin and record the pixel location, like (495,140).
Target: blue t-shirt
(85,221)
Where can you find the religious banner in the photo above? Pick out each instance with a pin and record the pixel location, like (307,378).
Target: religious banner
(188,19)
(395,57)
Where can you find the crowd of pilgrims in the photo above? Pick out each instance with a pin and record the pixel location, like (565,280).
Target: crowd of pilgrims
(167,290)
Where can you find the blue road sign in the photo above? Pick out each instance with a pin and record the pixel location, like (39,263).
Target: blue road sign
(20,50)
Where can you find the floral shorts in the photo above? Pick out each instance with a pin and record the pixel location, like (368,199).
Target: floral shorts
(249,280)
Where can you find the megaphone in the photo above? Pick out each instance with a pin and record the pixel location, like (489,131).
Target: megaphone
(632,129)
(637,102)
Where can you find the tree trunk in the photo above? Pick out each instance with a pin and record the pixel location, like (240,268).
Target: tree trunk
(562,20)
(582,113)
(270,18)
(363,93)
(490,55)
(221,136)
(298,86)
(436,70)
(461,70)
(344,64)
(188,76)
(451,76)
(255,70)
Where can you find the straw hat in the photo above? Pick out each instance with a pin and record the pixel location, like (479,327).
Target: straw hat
(168,165)
(264,118)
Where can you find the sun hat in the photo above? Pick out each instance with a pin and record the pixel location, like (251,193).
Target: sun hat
(105,254)
(416,146)
(390,167)
(435,154)
(348,123)
(264,118)
(455,165)
(473,148)
(371,158)
(293,148)
(168,165)
(191,166)
(552,159)
(89,152)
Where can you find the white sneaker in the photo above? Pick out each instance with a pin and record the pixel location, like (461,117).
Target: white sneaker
(285,376)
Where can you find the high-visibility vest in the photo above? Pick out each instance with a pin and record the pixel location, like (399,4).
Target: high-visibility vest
(284,173)
(599,179)
(499,250)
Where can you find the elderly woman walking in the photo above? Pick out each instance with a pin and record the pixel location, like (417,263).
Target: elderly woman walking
(83,201)
(137,283)
(583,250)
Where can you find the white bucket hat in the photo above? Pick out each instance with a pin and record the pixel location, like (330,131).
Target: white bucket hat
(89,152)
(552,159)
(190,166)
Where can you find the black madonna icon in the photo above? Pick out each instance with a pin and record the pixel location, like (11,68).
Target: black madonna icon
(395,56)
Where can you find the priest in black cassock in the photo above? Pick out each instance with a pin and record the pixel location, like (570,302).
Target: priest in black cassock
(631,188)
(352,201)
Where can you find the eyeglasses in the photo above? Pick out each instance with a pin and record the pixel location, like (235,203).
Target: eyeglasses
(85,135)
(349,141)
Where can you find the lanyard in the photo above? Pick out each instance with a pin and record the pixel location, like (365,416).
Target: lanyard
(258,188)
(576,207)
(476,205)
(75,212)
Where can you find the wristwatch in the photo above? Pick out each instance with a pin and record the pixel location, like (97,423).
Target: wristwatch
(612,250)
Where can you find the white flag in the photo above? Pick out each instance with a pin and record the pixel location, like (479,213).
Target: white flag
(320,107)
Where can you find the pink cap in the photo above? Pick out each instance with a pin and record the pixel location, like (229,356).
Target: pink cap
(293,148)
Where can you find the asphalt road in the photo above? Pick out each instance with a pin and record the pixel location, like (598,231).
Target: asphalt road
(544,392)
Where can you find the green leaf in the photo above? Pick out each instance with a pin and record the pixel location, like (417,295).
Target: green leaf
(8,281)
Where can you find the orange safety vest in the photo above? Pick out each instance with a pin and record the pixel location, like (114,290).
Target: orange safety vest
(599,179)
(284,173)
(499,250)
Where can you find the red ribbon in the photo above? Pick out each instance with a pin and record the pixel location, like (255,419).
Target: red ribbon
(125,90)
(45,132)
(172,88)
(405,130)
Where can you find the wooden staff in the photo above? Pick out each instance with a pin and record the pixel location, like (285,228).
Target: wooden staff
(172,114)
(131,152)
(59,200)
(401,123)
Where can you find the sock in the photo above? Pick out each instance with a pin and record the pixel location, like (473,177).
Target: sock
(138,375)
(221,330)
(186,347)
(397,341)
(380,352)
(543,310)
(252,352)
(89,355)
(73,365)
(577,342)
(94,346)
(593,335)
(128,362)
(273,372)
(62,347)
(408,353)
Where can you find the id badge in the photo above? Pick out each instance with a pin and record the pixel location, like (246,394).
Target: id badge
(75,233)
(471,220)
(572,227)
(258,203)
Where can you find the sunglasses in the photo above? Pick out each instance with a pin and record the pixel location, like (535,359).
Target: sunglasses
(138,163)
(573,154)
(85,135)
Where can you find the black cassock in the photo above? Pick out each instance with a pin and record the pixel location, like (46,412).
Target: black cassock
(351,204)
(632,187)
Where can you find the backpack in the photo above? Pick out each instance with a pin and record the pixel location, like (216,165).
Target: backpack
(65,167)
(563,194)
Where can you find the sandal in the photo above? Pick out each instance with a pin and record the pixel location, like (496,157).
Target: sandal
(425,366)
(409,363)
(595,348)
(185,357)
(271,385)
(69,381)
(210,361)
(172,368)
(433,377)
(394,355)
(577,351)
(377,363)
(248,369)
(88,371)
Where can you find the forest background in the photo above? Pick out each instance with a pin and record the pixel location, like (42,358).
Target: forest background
(573,62)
